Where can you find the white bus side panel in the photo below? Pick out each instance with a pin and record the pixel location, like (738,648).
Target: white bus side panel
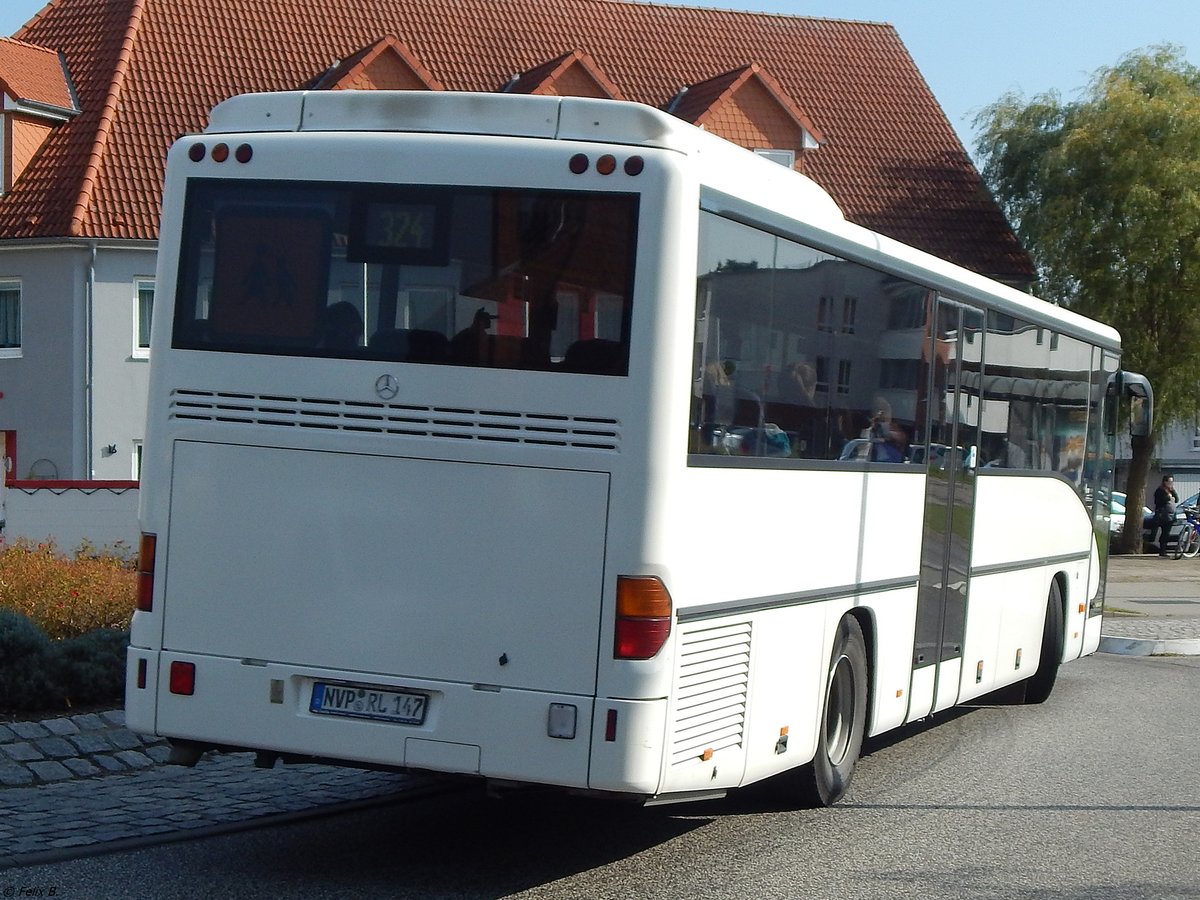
(1027,519)
(895,615)
(1007,609)
(808,534)
(359,563)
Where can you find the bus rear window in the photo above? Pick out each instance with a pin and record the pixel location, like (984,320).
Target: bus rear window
(489,277)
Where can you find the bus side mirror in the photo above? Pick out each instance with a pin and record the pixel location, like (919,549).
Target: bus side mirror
(1141,403)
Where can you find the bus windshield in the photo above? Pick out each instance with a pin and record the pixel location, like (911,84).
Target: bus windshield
(488,277)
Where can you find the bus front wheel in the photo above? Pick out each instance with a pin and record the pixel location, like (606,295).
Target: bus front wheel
(1041,682)
(824,781)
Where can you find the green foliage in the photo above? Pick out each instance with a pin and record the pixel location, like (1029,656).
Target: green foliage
(26,677)
(91,668)
(40,674)
(1105,194)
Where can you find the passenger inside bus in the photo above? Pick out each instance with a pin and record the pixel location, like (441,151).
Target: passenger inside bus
(341,326)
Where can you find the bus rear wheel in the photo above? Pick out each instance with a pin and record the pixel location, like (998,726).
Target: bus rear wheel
(824,781)
(1041,683)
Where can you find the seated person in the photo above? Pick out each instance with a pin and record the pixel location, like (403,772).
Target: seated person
(341,326)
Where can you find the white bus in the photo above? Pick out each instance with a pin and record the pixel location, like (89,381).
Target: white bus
(552,440)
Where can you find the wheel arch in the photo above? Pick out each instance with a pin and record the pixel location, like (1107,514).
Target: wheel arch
(866,621)
(1064,596)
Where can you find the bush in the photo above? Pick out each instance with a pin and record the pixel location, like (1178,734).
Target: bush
(26,666)
(38,674)
(68,597)
(91,667)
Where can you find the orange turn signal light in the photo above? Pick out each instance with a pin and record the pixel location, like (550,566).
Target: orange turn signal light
(642,597)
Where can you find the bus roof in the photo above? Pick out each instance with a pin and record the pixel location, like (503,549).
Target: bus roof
(453,112)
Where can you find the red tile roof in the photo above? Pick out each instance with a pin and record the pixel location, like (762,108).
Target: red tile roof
(147,71)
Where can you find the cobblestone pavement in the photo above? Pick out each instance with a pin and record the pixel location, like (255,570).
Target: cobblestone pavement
(66,818)
(78,746)
(1153,628)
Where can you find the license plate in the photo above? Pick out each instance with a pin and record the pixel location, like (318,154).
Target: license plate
(368,703)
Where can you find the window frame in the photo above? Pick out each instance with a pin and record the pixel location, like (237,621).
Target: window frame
(140,282)
(15,351)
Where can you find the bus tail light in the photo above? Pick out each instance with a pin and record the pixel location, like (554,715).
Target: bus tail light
(183,678)
(145,572)
(643,617)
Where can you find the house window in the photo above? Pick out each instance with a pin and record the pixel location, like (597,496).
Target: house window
(822,373)
(10,317)
(849,314)
(137,460)
(144,288)
(825,314)
(786,158)
(843,382)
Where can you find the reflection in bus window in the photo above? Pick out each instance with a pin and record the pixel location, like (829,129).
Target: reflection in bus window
(1040,400)
(456,276)
(802,354)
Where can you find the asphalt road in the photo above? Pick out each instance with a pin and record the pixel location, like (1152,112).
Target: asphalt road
(1091,795)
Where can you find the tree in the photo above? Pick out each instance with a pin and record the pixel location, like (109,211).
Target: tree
(1105,194)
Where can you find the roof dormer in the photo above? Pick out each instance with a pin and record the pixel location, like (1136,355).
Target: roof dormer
(386,65)
(573,74)
(37,96)
(749,107)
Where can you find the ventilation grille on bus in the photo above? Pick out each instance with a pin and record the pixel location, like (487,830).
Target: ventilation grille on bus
(391,418)
(714,672)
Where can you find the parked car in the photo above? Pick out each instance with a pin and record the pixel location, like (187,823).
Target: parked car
(1116,519)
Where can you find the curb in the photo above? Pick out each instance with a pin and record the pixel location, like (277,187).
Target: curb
(1142,647)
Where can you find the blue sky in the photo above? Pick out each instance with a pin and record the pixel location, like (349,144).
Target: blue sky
(971,51)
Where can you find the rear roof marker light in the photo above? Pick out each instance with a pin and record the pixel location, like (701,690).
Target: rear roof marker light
(634,165)
(607,164)
(196,152)
(243,153)
(578,163)
(220,153)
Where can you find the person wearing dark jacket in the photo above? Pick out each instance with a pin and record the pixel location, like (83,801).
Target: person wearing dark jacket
(1165,499)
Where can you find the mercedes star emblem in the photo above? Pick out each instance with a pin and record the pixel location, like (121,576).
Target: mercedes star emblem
(387,387)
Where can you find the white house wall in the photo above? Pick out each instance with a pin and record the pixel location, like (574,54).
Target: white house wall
(46,389)
(43,387)
(119,376)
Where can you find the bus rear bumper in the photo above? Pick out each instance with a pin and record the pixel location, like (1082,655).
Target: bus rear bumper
(483,730)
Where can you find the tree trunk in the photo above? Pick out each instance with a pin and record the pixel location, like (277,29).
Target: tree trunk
(1135,495)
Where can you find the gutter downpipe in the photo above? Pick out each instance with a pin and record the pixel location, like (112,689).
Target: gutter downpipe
(89,360)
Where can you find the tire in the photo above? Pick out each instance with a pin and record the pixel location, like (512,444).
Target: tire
(1040,684)
(1190,540)
(1185,537)
(824,781)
